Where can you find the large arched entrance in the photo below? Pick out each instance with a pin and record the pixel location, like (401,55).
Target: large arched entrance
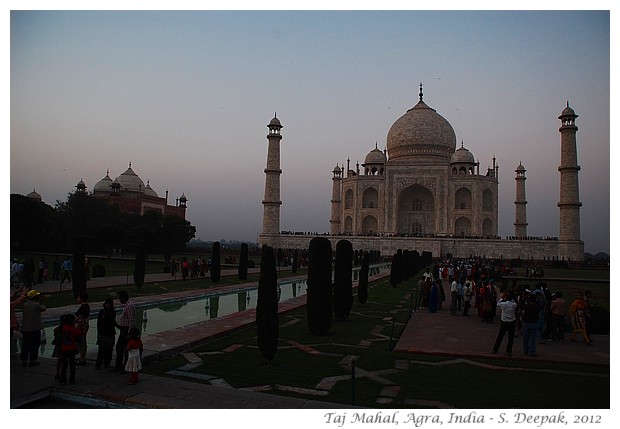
(416,211)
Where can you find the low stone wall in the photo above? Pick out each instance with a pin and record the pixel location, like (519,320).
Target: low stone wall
(458,247)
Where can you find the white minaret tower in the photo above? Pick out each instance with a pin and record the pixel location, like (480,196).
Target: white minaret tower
(271,202)
(336,201)
(570,246)
(520,202)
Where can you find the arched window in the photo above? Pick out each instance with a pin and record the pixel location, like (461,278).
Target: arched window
(462,227)
(348,225)
(369,225)
(416,211)
(370,198)
(487,227)
(462,199)
(487,200)
(348,199)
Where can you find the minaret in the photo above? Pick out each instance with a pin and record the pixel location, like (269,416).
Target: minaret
(571,246)
(336,201)
(271,202)
(520,202)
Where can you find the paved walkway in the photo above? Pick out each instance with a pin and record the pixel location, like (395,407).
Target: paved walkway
(439,333)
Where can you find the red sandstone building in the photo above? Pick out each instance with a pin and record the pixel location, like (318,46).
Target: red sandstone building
(130,195)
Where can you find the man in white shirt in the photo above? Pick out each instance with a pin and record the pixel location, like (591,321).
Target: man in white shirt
(508,308)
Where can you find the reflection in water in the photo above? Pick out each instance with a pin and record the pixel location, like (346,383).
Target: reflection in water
(171,316)
(242,300)
(215,306)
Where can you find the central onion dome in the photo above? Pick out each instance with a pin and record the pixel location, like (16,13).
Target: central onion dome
(130,181)
(421,136)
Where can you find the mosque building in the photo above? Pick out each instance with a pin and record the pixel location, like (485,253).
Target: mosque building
(130,195)
(423,193)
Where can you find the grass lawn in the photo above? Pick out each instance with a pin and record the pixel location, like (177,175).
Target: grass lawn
(319,367)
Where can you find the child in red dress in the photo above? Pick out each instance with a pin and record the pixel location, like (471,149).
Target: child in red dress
(134,355)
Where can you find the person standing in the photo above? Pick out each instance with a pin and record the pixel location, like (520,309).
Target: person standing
(56,269)
(558,319)
(126,322)
(453,297)
(16,299)
(529,315)
(508,319)
(134,350)
(467,294)
(66,268)
(31,328)
(81,322)
(106,332)
(69,348)
(579,314)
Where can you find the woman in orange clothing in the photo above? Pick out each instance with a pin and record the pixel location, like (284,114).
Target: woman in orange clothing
(579,313)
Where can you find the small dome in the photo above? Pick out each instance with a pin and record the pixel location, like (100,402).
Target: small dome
(149,191)
(520,167)
(375,156)
(462,155)
(81,186)
(104,184)
(130,181)
(336,169)
(34,195)
(275,122)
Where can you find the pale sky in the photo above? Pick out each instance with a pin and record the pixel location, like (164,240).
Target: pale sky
(186,96)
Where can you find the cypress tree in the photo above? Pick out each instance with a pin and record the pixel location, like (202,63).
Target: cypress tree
(343,285)
(267,305)
(216,268)
(362,287)
(395,268)
(319,290)
(243,262)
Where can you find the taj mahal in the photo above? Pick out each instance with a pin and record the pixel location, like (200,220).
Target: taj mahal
(423,193)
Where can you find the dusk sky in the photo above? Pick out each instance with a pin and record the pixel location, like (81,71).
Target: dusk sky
(186,96)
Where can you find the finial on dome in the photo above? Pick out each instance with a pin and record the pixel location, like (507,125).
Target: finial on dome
(567,103)
(376,145)
(129,164)
(421,95)
(461,143)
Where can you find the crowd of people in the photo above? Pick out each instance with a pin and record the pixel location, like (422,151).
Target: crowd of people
(536,314)
(70,345)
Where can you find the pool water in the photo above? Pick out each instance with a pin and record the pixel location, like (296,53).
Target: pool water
(159,318)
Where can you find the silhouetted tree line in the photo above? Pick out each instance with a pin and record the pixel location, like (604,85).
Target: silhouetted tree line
(86,224)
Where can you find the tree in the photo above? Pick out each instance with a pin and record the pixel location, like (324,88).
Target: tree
(319,286)
(362,287)
(242,270)
(216,268)
(174,234)
(343,285)
(267,305)
(34,225)
(395,270)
